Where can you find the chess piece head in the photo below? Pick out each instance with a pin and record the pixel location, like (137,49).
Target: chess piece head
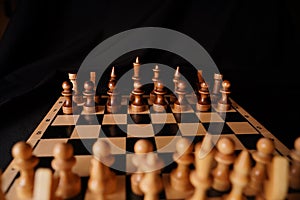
(265,146)
(159,86)
(204,86)
(22,150)
(181,85)
(88,85)
(66,85)
(226,85)
(101,149)
(225,146)
(297,144)
(143,146)
(184,146)
(63,151)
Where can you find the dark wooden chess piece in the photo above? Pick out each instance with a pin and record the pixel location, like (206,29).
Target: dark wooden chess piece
(181,104)
(294,176)
(215,95)
(89,93)
(176,78)
(137,104)
(113,104)
(224,103)
(67,93)
(204,102)
(160,104)
(154,79)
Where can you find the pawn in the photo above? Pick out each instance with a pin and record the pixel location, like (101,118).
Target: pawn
(141,148)
(294,178)
(239,177)
(181,102)
(204,102)
(2,197)
(102,180)
(160,104)
(89,93)
(258,174)
(24,161)
(69,183)
(67,93)
(151,184)
(184,157)
(224,103)
(225,157)
(137,104)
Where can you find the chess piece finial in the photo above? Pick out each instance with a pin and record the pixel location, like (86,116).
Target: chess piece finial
(294,177)
(204,102)
(224,103)
(24,161)
(69,184)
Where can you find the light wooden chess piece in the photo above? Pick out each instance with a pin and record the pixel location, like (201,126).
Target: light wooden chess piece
(201,177)
(141,148)
(225,157)
(184,157)
(89,106)
(2,196)
(24,161)
(224,103)
(151,184)
(102,180)
(69,184)
(44,186)
(67,93)
(160,104)
(204,102)
(239,177)
(76,96)
(262,157)
(97,97)
(216,87)
(295,166)
(181,104)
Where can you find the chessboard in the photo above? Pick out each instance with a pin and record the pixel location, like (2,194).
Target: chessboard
(124,127)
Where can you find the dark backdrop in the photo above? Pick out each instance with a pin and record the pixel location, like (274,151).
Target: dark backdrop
(255,44)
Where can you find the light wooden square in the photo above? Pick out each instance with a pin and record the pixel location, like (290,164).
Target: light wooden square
(65,120)
(45,147)
(162,118)
(166,143)
(114,119)
(140,130)
(209,117)
(192,129)
(242,128)
(117,144)
(86,131)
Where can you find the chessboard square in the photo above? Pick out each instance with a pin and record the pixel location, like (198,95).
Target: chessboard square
(45,147)
(249,141)
(209,117)
(65,120)
(166,143)
(140,130)
(82,146)
(130,142)
(166,129)
(89,120)
(242,128)
(114,119)
(162,118)
(217,128)
(191,129)
(117,145)
(86,131)
(234,117)
(113,131)
(188,109)
(138,119)
(186,118)
(58,132)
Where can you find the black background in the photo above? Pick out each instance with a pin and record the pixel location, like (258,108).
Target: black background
(255,45)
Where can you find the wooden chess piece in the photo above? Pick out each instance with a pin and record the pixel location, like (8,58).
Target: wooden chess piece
(76,96)
(113,103)
(184,157)
(224,103)
(201,177)
(151,184)
(181,103)
(141,148)
(102,180)
(239,177)
(204,102)
(2,196)
(160,104)
(24,161)
(216,87)
(69,184)
(225,157)
(176,78)
(137,104)
(294,178)
(258,174)
(154,79)
(136,74)
(67,93)
(89,93)
(44,188)
(93,79)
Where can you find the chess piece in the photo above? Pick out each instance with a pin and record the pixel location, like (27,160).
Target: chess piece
(43,185)
(224,103)
(294,178)
(24,161)
(160,104)
(262,158)
(89,93)
(204,102)
(136,74)
(151,184)
(2,196)
(102,180)
(239,177)
(93,79)
(201,177)
(76,96)
(225,157)
(137,104)
(141,148)
(154,79)
(113,103)
(67,93)
(184,157)
(276,185)
(181,104)
(69,184)
(176,78)
(216,88)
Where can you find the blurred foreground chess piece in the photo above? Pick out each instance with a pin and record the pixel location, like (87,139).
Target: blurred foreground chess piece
(224,103)
(24,161)
(294,178)
(2,196)
(44,187)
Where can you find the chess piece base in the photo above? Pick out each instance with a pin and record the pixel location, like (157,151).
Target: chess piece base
(223,107)
(202,107)
(180,108)
(159,108)
(89,109)
(78,99)
(137,108)
(112,109)
(180,185)
(67,110)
